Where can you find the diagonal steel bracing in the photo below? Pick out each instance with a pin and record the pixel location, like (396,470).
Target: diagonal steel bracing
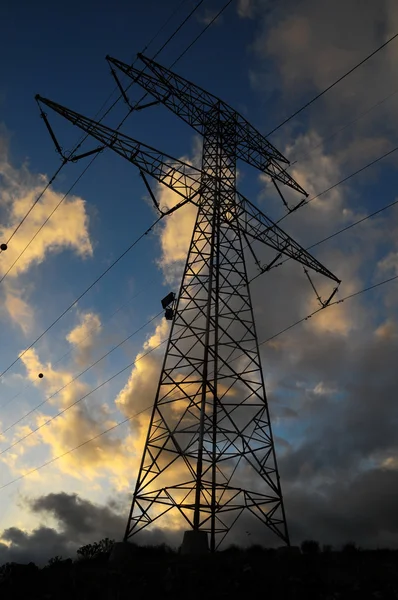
(210,420)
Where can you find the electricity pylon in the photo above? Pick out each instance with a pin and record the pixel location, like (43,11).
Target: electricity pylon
(209,454)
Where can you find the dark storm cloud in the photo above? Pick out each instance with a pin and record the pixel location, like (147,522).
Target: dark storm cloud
(79,522)
(79,518)
(362,511)
(38,546)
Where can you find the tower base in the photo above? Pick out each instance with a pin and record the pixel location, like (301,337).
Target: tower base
(121,554)
(195,543)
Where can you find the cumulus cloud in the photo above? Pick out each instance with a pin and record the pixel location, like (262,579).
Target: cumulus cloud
(84,336)
(67,228)
(78,522)
(18,309)
(78,423)
(331,381)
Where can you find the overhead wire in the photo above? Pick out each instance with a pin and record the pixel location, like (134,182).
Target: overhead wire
(272,337)
(354,294)
(99,386)
(202,32)
(78,145)
(336,233)
(332,85)
(148,230)
(85,136)
(95,156)
(77,344)
(332,187)
(340,129)
(126,339)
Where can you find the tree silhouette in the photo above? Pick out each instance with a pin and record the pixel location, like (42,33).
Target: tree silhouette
(97,549)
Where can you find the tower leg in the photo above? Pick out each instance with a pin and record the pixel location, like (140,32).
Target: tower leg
(209,455)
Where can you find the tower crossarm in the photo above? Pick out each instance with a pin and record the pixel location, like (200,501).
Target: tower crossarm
(179,176)
(255,224)
(194,104)
(187,182)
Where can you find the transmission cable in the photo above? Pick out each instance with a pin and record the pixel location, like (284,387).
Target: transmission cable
(202,32)
(332,85)
(336,233)
(332,187)
(49,216)
(83,294)
(371,287)
(77,146)
(79,143)
(75,378)
(336,132)
(108,318)
(151,406)
(16,360)
(91,392)
(354,294)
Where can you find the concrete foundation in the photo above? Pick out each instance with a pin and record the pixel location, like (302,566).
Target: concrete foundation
(121,554)
(195,543)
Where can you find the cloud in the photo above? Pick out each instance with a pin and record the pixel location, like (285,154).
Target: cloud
(246,9)
(67,228)
(78,522)
(176,233)
(302,47)
(84,336)
(20,312)
(85,420)
(331,380)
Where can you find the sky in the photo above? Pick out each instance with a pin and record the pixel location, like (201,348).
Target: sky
(331,381)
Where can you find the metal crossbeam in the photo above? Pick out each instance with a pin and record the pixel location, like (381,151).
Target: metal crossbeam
(187,182)
(193,104)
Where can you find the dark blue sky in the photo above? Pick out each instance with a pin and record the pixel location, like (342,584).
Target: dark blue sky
(265,63)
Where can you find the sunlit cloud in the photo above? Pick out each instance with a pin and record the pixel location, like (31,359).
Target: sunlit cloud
(67,228)
(84,336)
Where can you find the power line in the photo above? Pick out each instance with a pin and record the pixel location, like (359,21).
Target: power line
(367,289)
(95,156)
(151,406)
(376,212)
(83,294)
(61,412)
(336,132)
(108,318)
(332,85)
(82,140)
(203,31)
(80,374)
(329,237)
(75,448)
(47,219)
(35,202)
(332,187)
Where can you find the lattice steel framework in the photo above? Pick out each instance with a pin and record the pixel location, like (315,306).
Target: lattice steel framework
(209,455)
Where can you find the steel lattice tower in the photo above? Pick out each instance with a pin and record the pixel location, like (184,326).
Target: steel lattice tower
(209,454)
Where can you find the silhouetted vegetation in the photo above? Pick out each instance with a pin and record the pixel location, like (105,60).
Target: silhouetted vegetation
(159,571)
(310,547)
